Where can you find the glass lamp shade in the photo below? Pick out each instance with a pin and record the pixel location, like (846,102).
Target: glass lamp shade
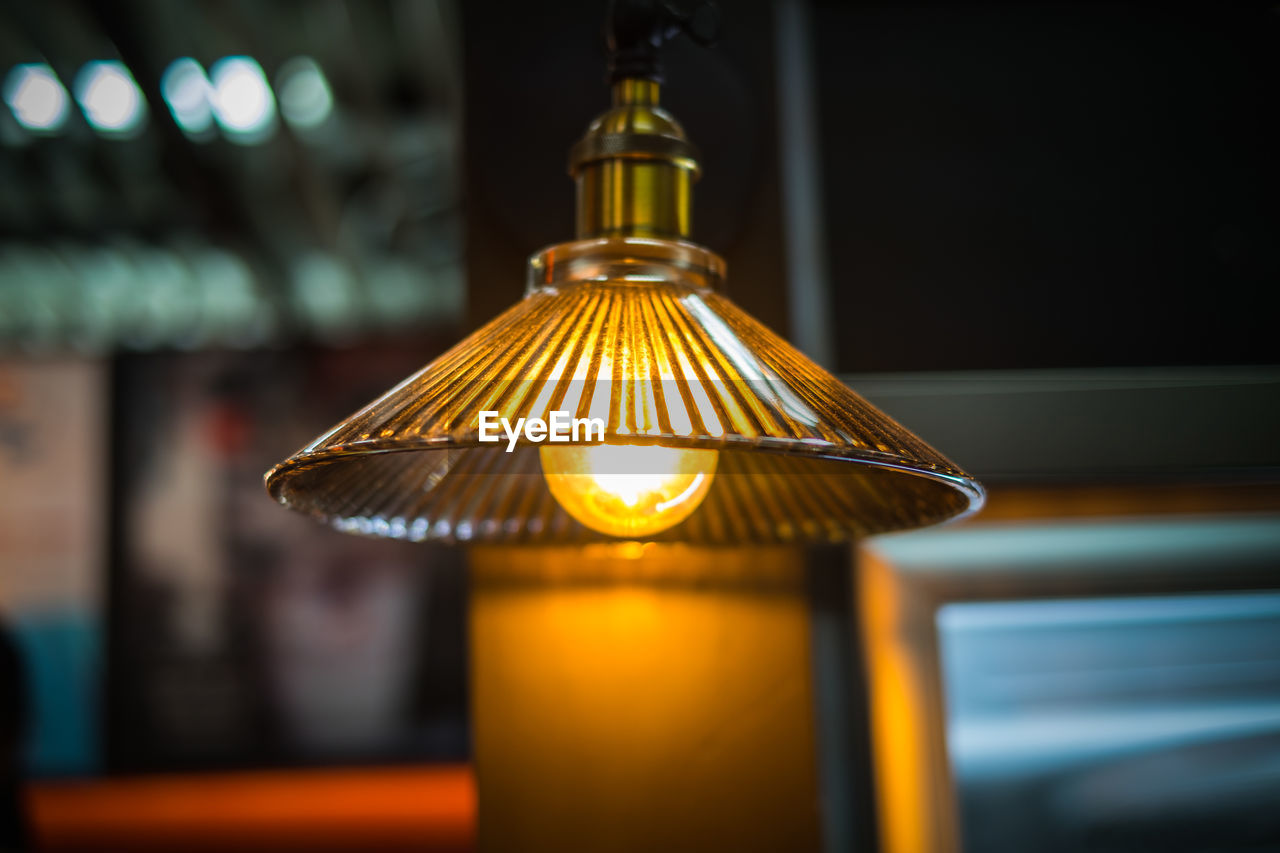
(633,332)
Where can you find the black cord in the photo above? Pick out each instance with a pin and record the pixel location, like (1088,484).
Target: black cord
(636,30)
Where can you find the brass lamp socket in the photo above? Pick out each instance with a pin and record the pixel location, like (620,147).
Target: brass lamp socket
(634,169)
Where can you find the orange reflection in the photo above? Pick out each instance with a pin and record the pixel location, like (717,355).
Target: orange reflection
(378,809)
(911,773)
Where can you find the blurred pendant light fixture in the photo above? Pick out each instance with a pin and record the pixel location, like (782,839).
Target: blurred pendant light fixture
(684,417)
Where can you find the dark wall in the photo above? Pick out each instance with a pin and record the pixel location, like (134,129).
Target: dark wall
(1033,186)
(1008,186)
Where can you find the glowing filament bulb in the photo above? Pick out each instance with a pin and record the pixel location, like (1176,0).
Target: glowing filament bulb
(628,489)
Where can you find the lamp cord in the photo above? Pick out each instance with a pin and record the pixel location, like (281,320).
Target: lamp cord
(636,30)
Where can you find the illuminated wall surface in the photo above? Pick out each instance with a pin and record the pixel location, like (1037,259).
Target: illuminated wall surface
(660,702)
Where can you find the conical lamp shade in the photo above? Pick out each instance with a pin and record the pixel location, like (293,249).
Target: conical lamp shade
(634,332)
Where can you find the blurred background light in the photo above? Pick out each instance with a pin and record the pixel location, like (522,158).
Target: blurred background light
(187,91)
(306,101)
(37,97)
(326,293)
(242,100)
(110,97)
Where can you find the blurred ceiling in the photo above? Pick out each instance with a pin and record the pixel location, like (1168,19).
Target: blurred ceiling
(186,174)
(1017,186)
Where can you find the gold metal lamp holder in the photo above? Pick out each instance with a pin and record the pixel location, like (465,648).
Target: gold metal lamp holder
(635,168)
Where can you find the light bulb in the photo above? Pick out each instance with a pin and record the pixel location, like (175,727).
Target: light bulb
(628,489)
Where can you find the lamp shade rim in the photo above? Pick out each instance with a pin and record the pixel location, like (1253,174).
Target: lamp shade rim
(276,480)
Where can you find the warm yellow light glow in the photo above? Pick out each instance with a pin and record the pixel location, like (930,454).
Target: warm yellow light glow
(670,712)
(628,489)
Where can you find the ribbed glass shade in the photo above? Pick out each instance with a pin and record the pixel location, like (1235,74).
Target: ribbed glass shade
(636,333)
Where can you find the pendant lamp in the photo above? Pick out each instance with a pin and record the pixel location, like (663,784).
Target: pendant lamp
(626,396)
